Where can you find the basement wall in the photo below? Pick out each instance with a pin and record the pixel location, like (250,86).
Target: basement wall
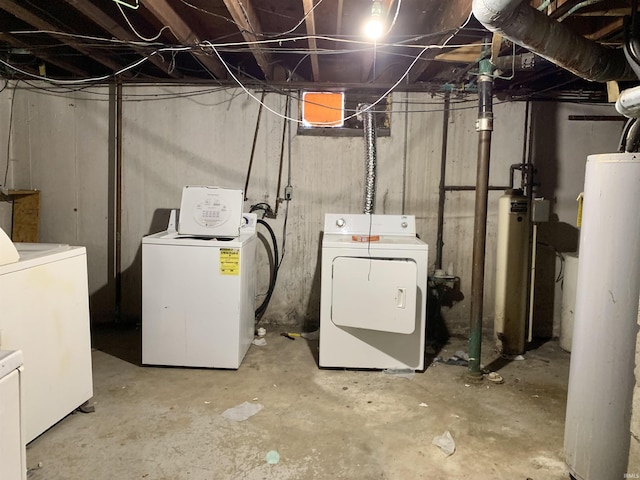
(61,145)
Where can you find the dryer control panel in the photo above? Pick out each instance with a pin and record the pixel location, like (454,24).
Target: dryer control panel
(369,224)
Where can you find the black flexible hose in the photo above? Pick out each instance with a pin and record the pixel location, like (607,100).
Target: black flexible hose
(274,272)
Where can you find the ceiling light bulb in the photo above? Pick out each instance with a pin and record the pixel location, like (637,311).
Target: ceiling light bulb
(374,28)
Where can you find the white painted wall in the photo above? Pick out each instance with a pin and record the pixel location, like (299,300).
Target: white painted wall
(559,151)
(60,145)
(5,114)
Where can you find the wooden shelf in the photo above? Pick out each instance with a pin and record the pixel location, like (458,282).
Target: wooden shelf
(26,215)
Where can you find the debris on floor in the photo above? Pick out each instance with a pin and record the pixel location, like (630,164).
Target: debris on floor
(495,377)
(273,457)
(260,342)
(517,358)
(458,358)
(445,442)
(241,412)
(290,336)
(399,372)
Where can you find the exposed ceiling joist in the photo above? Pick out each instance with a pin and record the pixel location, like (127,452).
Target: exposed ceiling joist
(606,30)
(166,15)
(451,16)
(244,15)
(52,59)
(310,23)
(32,19)
(95,14)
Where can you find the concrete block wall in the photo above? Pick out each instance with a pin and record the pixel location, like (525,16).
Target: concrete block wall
(62,144)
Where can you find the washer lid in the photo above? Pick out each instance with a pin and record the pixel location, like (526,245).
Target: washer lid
(210,211)
(9,361)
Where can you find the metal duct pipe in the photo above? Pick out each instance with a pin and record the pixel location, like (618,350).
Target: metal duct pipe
(369,125)
(526,26)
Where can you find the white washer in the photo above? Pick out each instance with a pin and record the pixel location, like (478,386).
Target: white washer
(373,292)
(198,298)
(12,443)
(45,314)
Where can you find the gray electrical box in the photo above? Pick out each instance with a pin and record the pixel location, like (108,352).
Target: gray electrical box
(540,209)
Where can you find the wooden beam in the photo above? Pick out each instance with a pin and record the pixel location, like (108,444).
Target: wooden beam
(95,14)
(244,15)
(606,30)
(310,22)
(28,17)
(452,15)
(42,55)
(166,15)
(466,54)
(611,12)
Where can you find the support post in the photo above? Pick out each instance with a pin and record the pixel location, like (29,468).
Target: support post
(484,127)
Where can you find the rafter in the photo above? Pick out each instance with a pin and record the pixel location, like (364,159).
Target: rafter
(166,15)
(107,23)
(310,22)
(244,15)
(52,59)
(452,15)
(608,29)
(26,16)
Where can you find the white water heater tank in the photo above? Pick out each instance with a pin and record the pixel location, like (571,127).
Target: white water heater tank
(601,378)
(512,264)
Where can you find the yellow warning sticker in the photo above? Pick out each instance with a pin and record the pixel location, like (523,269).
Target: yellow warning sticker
(230,261)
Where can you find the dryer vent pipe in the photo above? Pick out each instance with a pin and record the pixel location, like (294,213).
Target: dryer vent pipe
(369,126)
(544,36)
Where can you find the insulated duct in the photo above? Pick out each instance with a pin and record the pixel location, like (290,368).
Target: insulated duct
(542,35)
(369,126)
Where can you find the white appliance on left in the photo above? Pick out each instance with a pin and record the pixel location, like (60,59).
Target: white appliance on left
(13,464)
(198,296)
(45,313)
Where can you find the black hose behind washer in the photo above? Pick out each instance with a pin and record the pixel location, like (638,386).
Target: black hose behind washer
(274,273)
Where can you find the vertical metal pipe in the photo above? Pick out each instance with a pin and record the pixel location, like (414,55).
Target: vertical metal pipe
(405,150)
(253,146)
(118,196)
(284,132)
(441,188)
(369,125)
(484,126)
(111,201)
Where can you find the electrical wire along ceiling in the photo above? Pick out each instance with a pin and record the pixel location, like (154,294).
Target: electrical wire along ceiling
(422,44)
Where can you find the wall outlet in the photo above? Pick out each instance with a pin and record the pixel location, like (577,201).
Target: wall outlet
(288,192)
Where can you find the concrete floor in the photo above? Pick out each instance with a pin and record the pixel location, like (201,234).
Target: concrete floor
(166,423)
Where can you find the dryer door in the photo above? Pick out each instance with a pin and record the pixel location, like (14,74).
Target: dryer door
(374,294)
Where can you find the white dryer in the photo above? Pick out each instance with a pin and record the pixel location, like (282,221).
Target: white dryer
(373,292)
